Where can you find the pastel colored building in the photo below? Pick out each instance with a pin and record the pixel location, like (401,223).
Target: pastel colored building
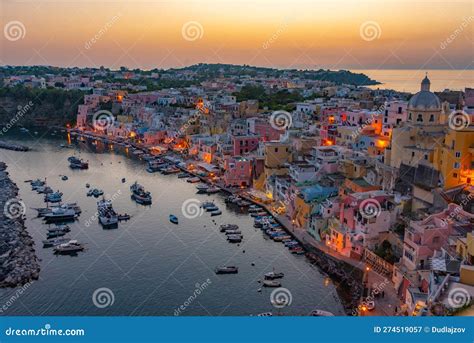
(238,171)
(244,144)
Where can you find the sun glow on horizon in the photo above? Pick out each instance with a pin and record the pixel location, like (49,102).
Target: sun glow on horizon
(281,34)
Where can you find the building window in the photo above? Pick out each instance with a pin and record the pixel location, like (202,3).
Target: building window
(456,165)
(458,154)
(455,175)
(426,157)
(412,154)
(276,149)
(409,116)
(419,118)
(431,118)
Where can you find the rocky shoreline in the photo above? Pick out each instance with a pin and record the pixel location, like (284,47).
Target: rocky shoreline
(18,261)
(347,277)
(14,147)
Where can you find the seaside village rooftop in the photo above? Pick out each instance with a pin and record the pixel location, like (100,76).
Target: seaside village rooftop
(377,176)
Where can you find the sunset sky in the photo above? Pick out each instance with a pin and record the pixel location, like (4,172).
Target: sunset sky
(312,34)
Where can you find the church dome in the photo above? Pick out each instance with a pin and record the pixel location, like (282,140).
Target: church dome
(424,99)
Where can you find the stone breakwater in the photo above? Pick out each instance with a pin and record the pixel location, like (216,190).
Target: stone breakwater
(18,261)
(14,147)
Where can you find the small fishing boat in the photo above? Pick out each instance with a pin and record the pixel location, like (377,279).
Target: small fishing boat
(202,187)
(265,314)
(183,175)
(69,248)
(61,228)
(321,313)
(193,180)
(64,178)
(44,190)
(87,185)
(53,197)
(55,234)
(216,213)
(226,270)
(107,215)
(273,275)
(123,217)
(52,242)
(271,283)
(76,163)
(228,227)
(97,192)
(140,195)
(207,204)
(173,219)
(213,190)
(211,208)
(233,232)
(258,214)
(234,238)
(37,183)
(280,238)
(90,193)
(123,180)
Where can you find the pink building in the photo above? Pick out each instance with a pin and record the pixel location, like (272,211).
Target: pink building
(263,128)
(244,144)
(238,171)
(154,137)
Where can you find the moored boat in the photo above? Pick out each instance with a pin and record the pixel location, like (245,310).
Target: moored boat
(52,242)
(58,214)
(173,219)
(212,190)
(53,197)
(273,275)
(107,215)
(69,248)
(202,187)
(271,283)
(321,313)
(226,270)
(140,195)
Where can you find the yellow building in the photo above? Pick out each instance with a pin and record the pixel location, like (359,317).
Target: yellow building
(427,139)
(456,160)
(277,155)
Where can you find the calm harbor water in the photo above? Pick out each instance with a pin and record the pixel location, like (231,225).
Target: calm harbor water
(409,80)
(151,266)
